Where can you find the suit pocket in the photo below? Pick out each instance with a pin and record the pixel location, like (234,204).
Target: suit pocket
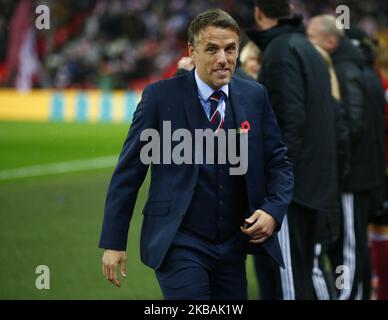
(157,208)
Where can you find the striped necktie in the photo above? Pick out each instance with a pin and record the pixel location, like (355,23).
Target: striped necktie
(216,120)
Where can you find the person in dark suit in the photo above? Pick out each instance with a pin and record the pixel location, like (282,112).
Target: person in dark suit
(298,84)
(200,220)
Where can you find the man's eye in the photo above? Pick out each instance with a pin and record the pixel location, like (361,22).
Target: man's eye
(211,50)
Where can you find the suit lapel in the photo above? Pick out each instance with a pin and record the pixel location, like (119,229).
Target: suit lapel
(191,103)
(240,108)
(238,103)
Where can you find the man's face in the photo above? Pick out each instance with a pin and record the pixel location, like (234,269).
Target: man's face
(317,37)
(215,54)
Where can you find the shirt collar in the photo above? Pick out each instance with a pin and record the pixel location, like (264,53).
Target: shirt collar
(205,91)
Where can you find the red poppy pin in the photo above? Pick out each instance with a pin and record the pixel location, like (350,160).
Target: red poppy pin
(245,127)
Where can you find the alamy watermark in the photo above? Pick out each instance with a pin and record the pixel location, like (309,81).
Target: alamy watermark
(228,143)
(343,20)
(342,282)
(42,282)
(42,22)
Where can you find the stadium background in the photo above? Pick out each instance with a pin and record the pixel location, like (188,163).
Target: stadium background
(67,96)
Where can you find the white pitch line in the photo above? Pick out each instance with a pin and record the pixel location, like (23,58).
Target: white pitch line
(59,167)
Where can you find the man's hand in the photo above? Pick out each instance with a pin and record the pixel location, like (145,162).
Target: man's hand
(110,260)
(259,226)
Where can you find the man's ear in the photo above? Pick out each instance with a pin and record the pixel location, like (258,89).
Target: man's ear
(258,14)
(292,8)
(191,50)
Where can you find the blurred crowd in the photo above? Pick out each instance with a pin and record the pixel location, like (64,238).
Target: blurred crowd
(120,44)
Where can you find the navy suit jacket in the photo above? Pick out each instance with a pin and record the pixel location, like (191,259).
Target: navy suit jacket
(269,179)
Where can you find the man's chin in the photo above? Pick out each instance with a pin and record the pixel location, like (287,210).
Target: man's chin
(221,82)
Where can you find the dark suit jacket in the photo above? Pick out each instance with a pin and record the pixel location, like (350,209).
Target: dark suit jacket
(269,178)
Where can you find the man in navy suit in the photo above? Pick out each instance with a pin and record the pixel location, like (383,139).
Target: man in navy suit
(200,220)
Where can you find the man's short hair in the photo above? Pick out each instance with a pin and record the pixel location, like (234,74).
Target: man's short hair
(213,17)
(328,26)
(274,9)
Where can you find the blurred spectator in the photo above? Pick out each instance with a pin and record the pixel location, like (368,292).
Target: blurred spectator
(292,70)
(363,100)
(250,59)
(373,141)
(378,231)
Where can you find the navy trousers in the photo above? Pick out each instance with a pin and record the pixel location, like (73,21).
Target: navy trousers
(199,269)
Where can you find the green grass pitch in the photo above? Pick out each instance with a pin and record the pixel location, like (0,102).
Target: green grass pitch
(55,220)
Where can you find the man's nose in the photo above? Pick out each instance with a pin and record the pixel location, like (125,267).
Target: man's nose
(221,57)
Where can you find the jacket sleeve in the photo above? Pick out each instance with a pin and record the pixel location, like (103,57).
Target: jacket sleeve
(278,168)
(128,177)
(286,89)
(350,78)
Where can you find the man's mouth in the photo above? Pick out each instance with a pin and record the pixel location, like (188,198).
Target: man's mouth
(222,72)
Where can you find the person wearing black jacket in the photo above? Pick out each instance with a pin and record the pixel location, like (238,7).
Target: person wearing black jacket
(362,98)
(373,163)
(298,85)
(372,148)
